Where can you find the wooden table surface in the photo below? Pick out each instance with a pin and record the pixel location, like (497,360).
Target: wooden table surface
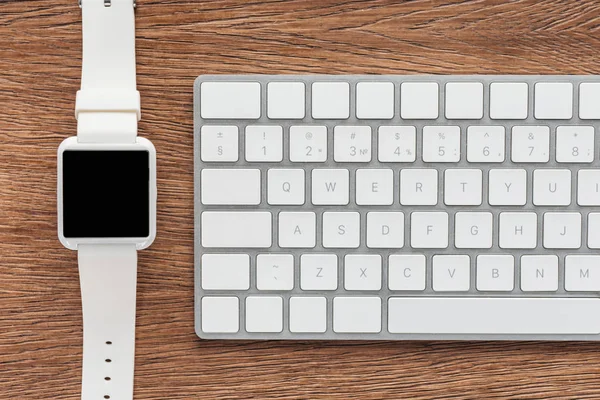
(40,309)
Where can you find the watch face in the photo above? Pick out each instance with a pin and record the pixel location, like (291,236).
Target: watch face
(106,194)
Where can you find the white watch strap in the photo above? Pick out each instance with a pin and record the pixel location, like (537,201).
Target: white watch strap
(108,104)
(108,275)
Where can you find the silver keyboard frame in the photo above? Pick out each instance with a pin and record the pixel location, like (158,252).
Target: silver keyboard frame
(385,293)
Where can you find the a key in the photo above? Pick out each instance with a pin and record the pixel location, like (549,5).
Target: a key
(341,229)
(274,272)
(464,100)
(588,187)
(220,314)
(539,273)
(385,230)
(264,314)
(575,144)
(352,143)
(462,187)
(593,230)
(562,230)
(264,143)
(375,100)
(374,187)
(509,100)
(330,100)
(236,229)
(429,230)
(219,143)
(589,98)
(318,271)
(495,272)
(225,272)
(406,272)
(230,186)
(473,230)
(419,100)
(285,186)
(285,100)
(357,314)
(308,143)
(297,229)
(551,187)
(230,100)
(485,144)
(418,187)
(553,100)
(582,273)
(518,230)
(330,186)
(362,272)
(308,314)
(507,187)
(530,144)
(397,143)
(441,144)
(451,273)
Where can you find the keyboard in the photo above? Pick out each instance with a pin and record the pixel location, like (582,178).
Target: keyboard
(397,207)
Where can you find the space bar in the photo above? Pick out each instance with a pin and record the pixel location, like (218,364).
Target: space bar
(494,315)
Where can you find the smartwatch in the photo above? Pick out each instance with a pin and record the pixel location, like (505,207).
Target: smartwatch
(107,196)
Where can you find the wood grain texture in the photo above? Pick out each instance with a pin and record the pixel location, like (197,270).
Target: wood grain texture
(40,309)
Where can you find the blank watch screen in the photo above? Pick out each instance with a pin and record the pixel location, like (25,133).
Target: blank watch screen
(106,194)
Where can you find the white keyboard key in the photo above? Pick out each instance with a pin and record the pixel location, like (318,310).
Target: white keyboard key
(285,100)
(264,143)
(485,144)
(507,187)
(330,186)
(518,230)
(225,272)
(509,100)
(419,100)
(318,272)
(275,272)
(330,100)
(475,315)
(236,229)
(539,273)
(473,230)
(285,186)
(397,144)
(308,314)
(264,314)
(374,187)
(418,187)
(219,143)
(575,144)
(594,230)
(352,143)
(429,230)
(451,273)
(562,230)
(375,100)
(530,144)
(495,273)
(362,272)
(441,144)
(385,230)
(462,187)
(297,229)
(588,187)
(230,186)
(341,229)
(308,143)
(553,100)
(406,272)
(220,315)
(230,100)
(551,187)
(589,100)
(357,314)
(582,273)
(464,100)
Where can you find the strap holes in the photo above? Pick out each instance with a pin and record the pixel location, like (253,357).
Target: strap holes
(107,378)
(108,360)
(109,342)
(106,396)
(107,3)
